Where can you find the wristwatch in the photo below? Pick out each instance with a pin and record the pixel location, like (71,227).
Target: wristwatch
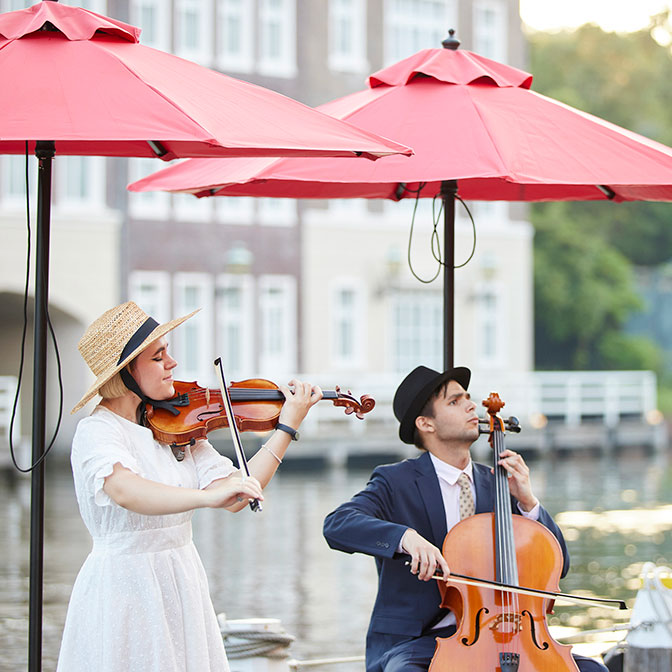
(286,428)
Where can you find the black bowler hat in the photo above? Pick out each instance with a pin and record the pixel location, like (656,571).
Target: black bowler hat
(414,391)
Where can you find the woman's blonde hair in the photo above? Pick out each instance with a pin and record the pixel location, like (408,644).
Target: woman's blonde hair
(113,388)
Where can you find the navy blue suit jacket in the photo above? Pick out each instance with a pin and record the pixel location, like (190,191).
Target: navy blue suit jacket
(399,496)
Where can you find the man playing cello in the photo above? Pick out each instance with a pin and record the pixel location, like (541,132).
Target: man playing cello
(407,508)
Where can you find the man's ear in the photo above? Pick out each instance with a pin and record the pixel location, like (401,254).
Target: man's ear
(424,424)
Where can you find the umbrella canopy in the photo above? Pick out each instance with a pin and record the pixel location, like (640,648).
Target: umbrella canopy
(83,80)
(469,119)
(75,82)
(477,131)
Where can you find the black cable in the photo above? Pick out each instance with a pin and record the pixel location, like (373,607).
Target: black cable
(23,346)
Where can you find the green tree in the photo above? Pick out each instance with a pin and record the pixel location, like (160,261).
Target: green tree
(584,252)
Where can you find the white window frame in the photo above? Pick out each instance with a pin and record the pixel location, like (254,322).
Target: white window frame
(347,16)
(146,204)
(491,39)
(423,332)
(284,16)
(277,211)
(352,318)
(151,291)
(242,319)
(202,324)
(161,27)
(203,52)
(277,360)
(94,169)
(242,11)
(407,30)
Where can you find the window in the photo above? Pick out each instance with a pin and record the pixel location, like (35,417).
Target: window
(151,291)
(489,326)
(234,210)
(153,17)
(193,30)
(490,35)
(194,339)
(235,27)
(277,332)
(146,204)
(412,25)
(80,182)
(347,324)
(277,211)
(277,37)
(235,324)
(347,35)
(417,330)
(188,208)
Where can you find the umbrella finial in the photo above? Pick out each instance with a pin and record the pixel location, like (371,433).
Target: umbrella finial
(451,42)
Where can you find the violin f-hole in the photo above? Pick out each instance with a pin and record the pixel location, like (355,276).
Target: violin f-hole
(477,627)
(533,631)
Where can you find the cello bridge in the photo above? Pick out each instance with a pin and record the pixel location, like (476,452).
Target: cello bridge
(507,623)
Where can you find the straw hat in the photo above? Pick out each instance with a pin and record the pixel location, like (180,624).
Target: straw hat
(115,338)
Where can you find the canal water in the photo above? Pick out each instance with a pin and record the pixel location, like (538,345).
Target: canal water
(616,514)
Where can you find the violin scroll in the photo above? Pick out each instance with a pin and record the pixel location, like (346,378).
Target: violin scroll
(347,401)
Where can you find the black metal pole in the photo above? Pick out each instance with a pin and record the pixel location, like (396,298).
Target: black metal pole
(448,193)
(44,150)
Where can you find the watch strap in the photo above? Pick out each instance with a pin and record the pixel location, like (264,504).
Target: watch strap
(291,431)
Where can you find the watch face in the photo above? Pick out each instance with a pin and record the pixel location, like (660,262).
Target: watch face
(296,436)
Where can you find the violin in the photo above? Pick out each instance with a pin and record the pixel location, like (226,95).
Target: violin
(256,404)
(499,629)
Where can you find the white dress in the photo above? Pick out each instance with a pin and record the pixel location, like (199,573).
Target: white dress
(141,600)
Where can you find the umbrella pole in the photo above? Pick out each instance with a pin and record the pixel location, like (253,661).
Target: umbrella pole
(44,150)
(448,193)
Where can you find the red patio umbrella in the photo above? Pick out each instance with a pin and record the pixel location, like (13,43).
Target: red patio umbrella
(75,82)
(477,130)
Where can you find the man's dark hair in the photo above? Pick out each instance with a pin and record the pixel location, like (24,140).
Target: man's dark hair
(428,412)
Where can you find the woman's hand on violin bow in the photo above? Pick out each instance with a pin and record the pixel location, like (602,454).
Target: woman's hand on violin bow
(425,557)
(232,492)
(519,478)
(300,397)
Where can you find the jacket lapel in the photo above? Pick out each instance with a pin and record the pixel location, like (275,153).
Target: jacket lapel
(483,482)
(430,492)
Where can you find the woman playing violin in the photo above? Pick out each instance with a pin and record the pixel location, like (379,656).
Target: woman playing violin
(140,601)
(407,509)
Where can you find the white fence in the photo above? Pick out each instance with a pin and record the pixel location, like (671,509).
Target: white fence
(536,398)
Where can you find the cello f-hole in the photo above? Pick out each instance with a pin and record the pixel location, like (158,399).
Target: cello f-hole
(533,631)
(477,627)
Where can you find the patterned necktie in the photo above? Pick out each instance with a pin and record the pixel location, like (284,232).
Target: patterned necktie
(467,507)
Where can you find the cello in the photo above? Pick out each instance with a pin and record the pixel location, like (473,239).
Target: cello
(500,630)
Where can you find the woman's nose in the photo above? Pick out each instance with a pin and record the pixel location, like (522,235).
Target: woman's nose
(170,362)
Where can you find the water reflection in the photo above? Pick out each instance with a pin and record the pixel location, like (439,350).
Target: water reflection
(616,513)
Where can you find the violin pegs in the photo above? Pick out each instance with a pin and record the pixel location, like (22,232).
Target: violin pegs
(360,416)
(337,388)
(349,410)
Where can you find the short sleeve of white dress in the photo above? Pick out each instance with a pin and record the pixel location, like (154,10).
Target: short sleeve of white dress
(210,465)
(99,443)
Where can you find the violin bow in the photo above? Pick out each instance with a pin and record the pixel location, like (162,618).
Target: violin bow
(255,504)
(534,592)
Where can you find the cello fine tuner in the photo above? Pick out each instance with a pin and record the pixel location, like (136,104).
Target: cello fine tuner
(511,424)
